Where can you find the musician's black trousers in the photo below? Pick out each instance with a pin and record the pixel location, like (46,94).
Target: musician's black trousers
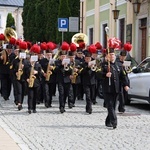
(5,85)
(48,92)
(111,100)
(63,89)
(90,95)
(32,96)
(20,91)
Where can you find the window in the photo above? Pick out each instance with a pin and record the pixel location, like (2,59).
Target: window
(90,36)
(122,30)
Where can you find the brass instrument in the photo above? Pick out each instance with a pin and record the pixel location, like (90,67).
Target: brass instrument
(57,54)
(20,71)
(74,74)
(93,67)
(4,56)
(32,76)
(66,67)
(78,38)
(10,32)
(48,72)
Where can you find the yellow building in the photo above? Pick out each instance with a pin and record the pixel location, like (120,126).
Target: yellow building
(130,26)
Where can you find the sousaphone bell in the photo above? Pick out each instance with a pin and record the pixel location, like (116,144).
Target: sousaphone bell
(78,38)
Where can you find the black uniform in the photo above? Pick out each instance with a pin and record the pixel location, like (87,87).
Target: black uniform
(33,91)
(5,77)
(122,93)
(88,82)
(64,83)
(49,86)
(111,89)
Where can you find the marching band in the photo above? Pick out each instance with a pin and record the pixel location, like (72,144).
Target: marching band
(35,70)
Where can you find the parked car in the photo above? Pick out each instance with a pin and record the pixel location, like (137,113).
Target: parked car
(140,82)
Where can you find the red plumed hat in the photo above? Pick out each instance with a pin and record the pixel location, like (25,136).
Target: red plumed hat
(18,41)
(92,49)
(29,44)
(98,45)
(51,46)
(82,45)
(43,46)
(2,37)
(12,41)
(73,47)
(23,45)
(114,43)
(127,46)
(65,46)
(35,49)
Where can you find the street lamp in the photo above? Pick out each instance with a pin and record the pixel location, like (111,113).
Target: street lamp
(136,7)
(116,12)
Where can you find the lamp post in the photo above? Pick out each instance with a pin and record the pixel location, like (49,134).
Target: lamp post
(81,9)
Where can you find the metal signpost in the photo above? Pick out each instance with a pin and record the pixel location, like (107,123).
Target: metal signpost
(63,26)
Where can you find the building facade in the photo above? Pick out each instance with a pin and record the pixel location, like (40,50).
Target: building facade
(15,7)
(131,27)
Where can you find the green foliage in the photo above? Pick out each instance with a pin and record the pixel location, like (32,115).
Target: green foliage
(40,19)
(10,22)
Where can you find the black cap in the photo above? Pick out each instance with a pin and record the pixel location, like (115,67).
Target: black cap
(9,46)
(123,53)
(111,50)
(63,52)
(79,50)
(88,54)
(70,53)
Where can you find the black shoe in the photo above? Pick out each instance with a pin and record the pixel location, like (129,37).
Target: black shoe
(89,111)
(15,102)
(34,111)
(94,102)
(29,111)
(114,126)
(121,110)
(19,107)
(62,110)
(70,106)
(109,125)
(46,105)
(6,98)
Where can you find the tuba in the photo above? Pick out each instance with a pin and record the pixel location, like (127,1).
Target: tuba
(78,38)
(9,33)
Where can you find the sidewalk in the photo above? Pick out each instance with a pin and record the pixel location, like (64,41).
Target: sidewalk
(6,142)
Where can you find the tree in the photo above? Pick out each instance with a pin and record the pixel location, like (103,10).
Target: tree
(64,12)
(52,13)
(10,22)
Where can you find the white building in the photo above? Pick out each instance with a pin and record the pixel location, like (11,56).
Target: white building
(15,7)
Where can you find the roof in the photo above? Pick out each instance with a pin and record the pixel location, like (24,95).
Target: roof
(12,3)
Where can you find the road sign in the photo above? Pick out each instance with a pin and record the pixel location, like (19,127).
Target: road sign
(73,24)
(63,24)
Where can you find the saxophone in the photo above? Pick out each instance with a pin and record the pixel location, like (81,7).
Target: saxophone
(48,72)
(74,75)
(32,77)
(20,71)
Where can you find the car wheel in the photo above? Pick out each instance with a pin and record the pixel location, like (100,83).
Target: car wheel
(127,99)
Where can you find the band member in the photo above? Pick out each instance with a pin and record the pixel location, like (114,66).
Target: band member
(122,93)
(80,57)
(5,71)
(88,81)
(33,75)
(63,72)
(111,75)
(19,74)
(49,79)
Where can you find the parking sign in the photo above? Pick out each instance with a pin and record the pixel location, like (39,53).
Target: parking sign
(62,24)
